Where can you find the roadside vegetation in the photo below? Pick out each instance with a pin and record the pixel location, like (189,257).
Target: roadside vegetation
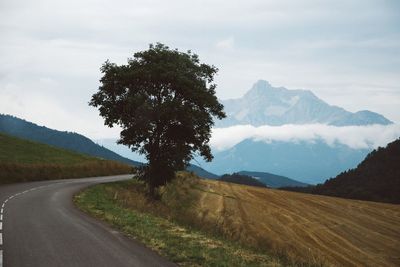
(167,226)
(22,160)
(213,223)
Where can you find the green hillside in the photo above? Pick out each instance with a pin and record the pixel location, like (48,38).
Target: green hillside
(16,150)
(66,140)
(24,160)
(376,178)
(71,141)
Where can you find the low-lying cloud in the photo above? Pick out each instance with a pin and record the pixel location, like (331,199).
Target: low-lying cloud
(356,137)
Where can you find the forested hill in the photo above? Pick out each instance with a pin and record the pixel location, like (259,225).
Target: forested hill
(67,140)
(377,178)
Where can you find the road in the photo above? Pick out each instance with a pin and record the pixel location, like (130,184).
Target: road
(40,226)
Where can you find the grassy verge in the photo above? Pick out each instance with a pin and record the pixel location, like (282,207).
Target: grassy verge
(154,223)
(20,172)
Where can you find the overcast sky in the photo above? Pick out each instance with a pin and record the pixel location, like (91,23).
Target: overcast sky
(346,52)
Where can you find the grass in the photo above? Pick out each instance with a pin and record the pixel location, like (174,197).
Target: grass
(21,151)
(22,160)
(125,206)
(301,229)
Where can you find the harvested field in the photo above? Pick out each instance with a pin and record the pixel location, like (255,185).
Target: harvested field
(306,228)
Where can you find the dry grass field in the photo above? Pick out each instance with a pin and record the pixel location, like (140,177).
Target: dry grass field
(305,229)
(310,228)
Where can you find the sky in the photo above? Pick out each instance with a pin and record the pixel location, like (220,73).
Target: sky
(346,52)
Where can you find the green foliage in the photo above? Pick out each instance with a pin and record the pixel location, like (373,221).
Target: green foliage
(165,102)
(376,178)
(23,160)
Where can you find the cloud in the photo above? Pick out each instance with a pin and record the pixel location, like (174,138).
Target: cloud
(226,43)
(51,111)
(52,50)
(356,137)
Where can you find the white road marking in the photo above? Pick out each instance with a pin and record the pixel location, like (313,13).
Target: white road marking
(2,211)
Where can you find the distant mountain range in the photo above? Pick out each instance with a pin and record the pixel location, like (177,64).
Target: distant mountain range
(376,178)
(264,104)
(310,162)
(268,179)
(242,179)
(303,161)
(272,180)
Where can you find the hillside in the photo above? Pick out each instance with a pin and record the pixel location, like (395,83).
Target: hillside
(264,104)
(201,172)
(67,140)
(74,142)
(309,229)
(307,162)
(272,180)
(242,179)
(376,178)
(24,160)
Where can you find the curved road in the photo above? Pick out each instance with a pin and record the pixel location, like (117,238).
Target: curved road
(40,226)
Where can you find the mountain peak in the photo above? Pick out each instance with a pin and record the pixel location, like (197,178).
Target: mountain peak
(265,104)
(261,87)
(262,84)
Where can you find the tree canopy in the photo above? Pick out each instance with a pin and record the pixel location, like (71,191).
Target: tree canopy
(165,102)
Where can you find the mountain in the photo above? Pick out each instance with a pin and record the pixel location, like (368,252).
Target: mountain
(72,141)
(264,104)
(308,162)
(201,172)
(376,178)
(67,140)
(237,178)
(272,180)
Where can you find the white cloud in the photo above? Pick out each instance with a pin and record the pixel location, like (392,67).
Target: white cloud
(60,113)
(303,44)
(226,43)
(357,137)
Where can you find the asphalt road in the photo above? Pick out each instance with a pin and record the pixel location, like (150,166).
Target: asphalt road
(40,226)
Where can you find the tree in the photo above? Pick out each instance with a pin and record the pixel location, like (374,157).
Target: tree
(165,102)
